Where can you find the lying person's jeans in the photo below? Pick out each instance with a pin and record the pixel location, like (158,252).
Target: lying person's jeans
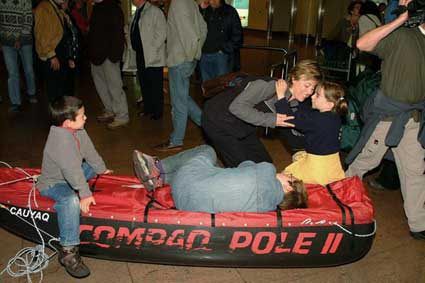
(199,185)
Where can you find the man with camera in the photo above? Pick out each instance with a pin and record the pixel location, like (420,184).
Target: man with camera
(394,117)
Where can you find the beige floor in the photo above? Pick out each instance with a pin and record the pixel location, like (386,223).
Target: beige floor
(394,257)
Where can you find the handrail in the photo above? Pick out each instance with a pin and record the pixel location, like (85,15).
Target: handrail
(269,48)
(283,65)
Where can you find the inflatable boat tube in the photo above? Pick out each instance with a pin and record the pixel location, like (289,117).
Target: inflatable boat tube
(129,224)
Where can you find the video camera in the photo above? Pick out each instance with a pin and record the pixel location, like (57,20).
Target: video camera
(416,10)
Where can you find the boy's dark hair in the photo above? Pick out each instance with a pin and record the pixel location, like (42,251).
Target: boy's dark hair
(63,108)
(296,198)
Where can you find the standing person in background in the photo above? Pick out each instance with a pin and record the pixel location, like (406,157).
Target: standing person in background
(57,47)
(148,33)
(224,39)
(369,19)
(186,33)
(16,38)
(106,47)
(347,30)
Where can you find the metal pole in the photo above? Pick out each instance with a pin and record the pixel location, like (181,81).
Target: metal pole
(319,24)
(292,20)
(269,20)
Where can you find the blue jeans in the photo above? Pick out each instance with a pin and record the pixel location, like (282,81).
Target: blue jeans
(183,106)
(67,206)
(173,163)
(213,65)
(11,60)
(198,184)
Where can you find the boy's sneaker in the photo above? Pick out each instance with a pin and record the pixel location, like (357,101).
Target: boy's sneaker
(105,117)
(70,258)
(147,170)
(117,123)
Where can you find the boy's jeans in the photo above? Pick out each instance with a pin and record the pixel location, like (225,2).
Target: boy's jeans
(182,104)
(12,64)
(67,207)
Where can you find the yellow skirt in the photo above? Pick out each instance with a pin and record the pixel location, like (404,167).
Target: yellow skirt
(316,169)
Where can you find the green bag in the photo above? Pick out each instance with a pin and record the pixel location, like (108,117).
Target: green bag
(364,85)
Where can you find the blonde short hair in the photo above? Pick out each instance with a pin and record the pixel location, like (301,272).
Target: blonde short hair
(307,69)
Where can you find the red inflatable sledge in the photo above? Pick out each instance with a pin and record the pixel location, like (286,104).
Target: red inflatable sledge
(129,224)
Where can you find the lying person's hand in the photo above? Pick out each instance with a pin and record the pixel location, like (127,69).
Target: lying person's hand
(85,204)
(284,181)
(281,120)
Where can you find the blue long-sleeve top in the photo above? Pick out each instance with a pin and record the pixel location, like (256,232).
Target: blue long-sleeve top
(321,129)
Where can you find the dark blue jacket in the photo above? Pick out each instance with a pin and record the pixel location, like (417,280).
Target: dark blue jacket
(377,108)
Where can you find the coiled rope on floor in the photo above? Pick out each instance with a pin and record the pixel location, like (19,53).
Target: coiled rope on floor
(30,260)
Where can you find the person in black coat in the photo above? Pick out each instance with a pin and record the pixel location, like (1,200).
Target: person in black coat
(220,53)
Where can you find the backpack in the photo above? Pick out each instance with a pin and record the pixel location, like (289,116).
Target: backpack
(364,85)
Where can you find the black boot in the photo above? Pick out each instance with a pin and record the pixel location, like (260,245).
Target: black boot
(71,260)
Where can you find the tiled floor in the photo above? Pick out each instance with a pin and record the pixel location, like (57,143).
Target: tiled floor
(394,257)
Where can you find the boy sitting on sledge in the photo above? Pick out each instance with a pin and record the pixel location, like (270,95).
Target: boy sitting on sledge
(69,160)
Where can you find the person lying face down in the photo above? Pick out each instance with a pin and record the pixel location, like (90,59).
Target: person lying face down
(198,184)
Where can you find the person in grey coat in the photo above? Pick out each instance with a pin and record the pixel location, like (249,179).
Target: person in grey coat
(148,34)
(186,33)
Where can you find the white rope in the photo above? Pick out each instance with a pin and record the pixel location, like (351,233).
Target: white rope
(6,164)
(358,235)
(31,260)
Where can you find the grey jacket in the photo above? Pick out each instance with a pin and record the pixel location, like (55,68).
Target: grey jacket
(186,32)
(153,32)
(63,158)
(243,106)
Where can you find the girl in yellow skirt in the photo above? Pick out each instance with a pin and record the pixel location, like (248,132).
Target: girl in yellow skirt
(320,162)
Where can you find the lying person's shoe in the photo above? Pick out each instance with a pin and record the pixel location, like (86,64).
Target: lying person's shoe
(146,170)
(167,146)
(418,235)
(117,123)
(105,117)
(70,258)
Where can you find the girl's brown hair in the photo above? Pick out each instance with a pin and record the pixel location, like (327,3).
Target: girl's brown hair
(307,69)
(296,198)
(335,93)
